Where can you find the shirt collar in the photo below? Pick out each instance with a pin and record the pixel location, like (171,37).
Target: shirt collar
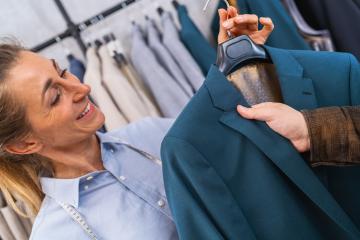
(67,190)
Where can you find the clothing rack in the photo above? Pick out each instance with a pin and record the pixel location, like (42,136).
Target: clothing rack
(74,30)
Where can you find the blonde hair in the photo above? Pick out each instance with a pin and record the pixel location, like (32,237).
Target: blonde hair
(19,174)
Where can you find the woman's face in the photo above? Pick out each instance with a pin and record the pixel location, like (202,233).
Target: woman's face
(57,103)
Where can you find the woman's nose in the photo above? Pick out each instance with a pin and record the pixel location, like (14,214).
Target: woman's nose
(80,92)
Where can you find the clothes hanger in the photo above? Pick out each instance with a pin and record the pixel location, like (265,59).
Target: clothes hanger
(160,11)
(175,4)
(238,51)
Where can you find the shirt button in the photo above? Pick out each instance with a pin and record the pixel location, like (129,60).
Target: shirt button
(122,178)
(161,203)
(89,178)
(86,187)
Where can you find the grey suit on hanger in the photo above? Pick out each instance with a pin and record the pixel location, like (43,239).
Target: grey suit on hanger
(165,57)
(140,88)
(177,49)
(120,89)
(115,49)
(113,117)
(168,94)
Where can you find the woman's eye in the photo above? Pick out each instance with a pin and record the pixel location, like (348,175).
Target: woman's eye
(56,98)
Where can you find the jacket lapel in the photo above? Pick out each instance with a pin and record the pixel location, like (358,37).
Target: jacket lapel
(298,92)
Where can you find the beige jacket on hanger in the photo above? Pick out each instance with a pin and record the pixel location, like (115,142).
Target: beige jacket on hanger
(14,223)
(130,74)
(26,222)
(113,117)
(5,232)
(120,89)
(140,88)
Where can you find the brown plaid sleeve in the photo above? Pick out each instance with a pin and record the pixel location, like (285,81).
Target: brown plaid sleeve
(334,135)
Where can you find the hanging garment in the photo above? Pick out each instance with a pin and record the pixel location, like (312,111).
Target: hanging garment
(137,82)
(125,201)
(5,232)
(199,47)
(113,117)
(76,67)
(139,87)
(116,51)
(121,90)
(168,94)
(285,34)
(165,58)
(337,16)
(172,42)
(26,222)
(226,176)
(14,223)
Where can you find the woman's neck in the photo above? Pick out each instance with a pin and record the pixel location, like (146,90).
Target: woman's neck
(77,160)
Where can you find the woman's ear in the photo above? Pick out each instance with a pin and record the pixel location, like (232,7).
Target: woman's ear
(29,145)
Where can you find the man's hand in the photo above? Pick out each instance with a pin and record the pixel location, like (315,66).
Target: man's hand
(283,119)
(245,24)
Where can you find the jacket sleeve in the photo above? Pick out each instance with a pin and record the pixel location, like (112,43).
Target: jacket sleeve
(334,135)
(201,203)
(335,131)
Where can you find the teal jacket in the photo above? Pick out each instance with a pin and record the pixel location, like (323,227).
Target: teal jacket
(285,34)
(199,47)
(231,178)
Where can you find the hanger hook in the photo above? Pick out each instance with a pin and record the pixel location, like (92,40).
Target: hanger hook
(208,1)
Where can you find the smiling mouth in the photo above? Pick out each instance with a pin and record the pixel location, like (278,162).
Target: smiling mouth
(85,112)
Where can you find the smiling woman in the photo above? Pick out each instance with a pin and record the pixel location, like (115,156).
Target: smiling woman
(44,110)
(53,159)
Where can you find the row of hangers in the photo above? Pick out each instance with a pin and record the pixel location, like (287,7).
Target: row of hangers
(105,36)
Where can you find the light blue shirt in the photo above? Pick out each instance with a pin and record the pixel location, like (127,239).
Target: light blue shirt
(125,201)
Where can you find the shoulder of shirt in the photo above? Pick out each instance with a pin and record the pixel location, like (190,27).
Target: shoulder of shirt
(39,228)
(148,124)
(146,134)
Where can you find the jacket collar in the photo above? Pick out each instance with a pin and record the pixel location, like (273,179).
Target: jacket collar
(294,86)
(298,92)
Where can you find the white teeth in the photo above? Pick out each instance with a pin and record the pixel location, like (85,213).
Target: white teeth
(87,109)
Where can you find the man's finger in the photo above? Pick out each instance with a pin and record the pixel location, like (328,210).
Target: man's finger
(268,27)
(261,114)
(232,12)
(222,37)
(247,19)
